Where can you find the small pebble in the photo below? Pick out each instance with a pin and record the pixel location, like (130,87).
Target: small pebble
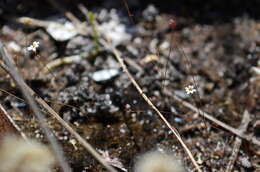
(105,75)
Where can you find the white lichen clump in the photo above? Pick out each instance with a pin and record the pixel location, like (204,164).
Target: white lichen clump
(34,46)
(18,155)
(190,89)
(158,162)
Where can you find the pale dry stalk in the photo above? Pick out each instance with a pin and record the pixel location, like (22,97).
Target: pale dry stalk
(149,102)
(39,116)
(39,100)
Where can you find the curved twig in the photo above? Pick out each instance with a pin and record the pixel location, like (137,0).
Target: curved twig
(149,102)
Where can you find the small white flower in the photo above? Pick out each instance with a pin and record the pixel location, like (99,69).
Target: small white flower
(190,89)
(34,46)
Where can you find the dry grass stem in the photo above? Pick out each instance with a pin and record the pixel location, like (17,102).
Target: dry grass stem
(8,125)
(85,144)
(149,102)
(214,120)
(238,141)
(12,70)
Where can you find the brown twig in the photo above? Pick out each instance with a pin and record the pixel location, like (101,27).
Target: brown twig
(55,115)
(214,120)
(85,144)
(192,127)
(139,89)
(7,125)
(238,141)
(42,121)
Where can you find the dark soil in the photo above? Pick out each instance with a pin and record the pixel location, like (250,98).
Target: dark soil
(221,45)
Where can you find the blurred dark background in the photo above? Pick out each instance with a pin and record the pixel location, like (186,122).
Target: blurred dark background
(201,11)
